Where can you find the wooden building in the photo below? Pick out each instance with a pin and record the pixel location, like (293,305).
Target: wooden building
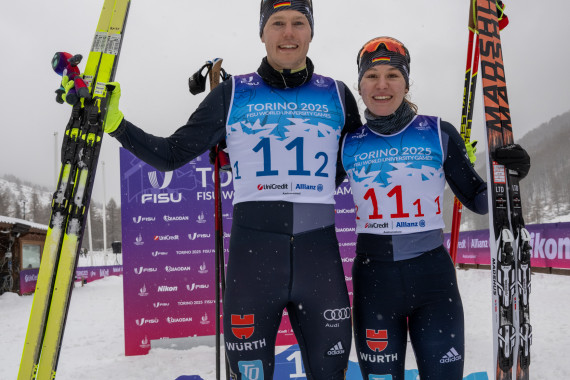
(21,247)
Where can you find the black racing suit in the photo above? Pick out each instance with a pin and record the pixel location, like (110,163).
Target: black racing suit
(408,282)
(282,254)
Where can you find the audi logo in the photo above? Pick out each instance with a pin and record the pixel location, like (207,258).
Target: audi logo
(337,314)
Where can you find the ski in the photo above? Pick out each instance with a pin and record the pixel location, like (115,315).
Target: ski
(509,241)
(470,83)
(80,149)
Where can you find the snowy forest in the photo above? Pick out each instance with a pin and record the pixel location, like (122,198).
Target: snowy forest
(24,200)
(545,191)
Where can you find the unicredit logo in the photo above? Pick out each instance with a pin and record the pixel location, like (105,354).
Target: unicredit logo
(272,186)
(376,225)
(166,237)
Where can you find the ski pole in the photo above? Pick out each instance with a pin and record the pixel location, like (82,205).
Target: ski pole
(470,83)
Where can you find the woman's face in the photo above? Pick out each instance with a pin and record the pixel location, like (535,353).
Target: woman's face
(383,89)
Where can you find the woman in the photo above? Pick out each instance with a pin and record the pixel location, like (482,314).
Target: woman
(403,277)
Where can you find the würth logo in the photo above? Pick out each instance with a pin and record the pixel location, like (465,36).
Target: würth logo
(377,340)
(242,325)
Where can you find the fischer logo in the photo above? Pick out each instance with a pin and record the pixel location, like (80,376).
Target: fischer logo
(142,321)
(272,186)
(143,219)
(168,218)
(195,236)
(159,253)
(160,304)
(178,320)
(164,288)
(142,270)
(303,186)
(377,225)
(166,237)
(169,269)
(195,286)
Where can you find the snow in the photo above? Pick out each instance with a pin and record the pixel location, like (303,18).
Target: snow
(93,341)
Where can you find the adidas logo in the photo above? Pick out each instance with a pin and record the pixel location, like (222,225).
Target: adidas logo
(450,357)
(337,349)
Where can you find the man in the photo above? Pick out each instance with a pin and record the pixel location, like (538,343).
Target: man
(282,125)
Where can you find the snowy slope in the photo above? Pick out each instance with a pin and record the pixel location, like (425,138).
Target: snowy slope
(93,342)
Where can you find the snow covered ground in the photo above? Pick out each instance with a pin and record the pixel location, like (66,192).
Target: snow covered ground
(93,342)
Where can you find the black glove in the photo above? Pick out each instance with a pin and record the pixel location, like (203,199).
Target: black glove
(514,157)
(223,158)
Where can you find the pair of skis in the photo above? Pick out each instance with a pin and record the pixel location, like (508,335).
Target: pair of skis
(509,241)
(79,156)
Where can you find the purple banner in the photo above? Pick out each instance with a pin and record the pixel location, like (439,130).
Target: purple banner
(168,250)
(29,277)
(550,246)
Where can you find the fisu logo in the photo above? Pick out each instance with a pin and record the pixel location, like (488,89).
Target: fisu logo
(153,178)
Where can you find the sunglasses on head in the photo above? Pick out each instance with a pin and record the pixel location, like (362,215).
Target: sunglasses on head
(386,43)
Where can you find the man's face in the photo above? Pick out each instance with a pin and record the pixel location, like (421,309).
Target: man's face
(287,35)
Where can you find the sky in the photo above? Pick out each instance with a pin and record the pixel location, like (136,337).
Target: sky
(166,41)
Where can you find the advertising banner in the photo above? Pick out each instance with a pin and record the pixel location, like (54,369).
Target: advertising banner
(29,277)
(168,250)
(550,246)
